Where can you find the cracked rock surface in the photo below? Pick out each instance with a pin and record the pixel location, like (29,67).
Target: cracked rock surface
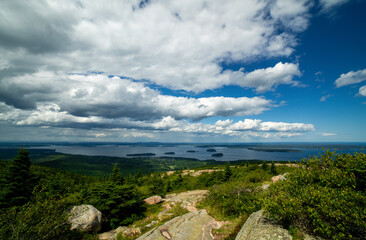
(191,226)
(257,228)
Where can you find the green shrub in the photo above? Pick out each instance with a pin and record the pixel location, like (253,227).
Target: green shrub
(38,220)
(232,199)
(119,204)
(325,196)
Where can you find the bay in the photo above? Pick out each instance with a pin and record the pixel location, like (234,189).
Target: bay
(231,152)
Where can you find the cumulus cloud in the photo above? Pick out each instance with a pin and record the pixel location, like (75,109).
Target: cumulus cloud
(266,79)
(247,129)
(351,78)
(362,91)
(98,95)
(52,116)
(175,44)
(258,125)
(91,65)
(324,98)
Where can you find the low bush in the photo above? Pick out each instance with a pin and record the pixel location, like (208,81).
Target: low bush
(324,196)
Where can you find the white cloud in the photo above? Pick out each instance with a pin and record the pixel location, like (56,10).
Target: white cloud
(51,116)
(327,134)
(351,78)
(247,129)
(323,98)
(97,95)
(266,79)
(291,13)
(362,91)
(51,52)
(135,134)
(327,4)
(176,44)
(258,125)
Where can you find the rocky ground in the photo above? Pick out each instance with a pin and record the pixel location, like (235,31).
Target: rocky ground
(178,218)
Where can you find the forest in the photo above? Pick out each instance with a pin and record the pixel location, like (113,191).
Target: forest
(323,195)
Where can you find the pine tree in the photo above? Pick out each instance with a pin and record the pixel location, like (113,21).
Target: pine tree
(168,186)
(18,186)
(116,175)
(273,169)
(228,172)
(264,166)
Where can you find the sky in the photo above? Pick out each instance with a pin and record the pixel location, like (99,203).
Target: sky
(183,71)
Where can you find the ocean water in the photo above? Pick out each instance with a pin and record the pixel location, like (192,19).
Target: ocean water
(231,152)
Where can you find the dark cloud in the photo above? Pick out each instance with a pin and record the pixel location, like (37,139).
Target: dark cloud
(35,26)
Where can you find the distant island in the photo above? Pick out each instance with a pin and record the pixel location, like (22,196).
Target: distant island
(169,153)
(191,151)
(217,155)
(140,155)
(211,150)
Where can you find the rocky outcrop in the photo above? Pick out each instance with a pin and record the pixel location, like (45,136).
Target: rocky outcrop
(257,227)
(191,226)
(195,173)
(187,200)
(153,200)
(309,237)
(124,231)
(278,178)
(85,218)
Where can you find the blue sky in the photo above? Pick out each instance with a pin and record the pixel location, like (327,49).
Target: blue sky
(181,71)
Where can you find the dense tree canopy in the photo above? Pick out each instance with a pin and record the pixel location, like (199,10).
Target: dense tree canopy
(19,181)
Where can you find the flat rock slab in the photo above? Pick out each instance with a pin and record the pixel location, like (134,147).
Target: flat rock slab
(258,228)
(153,200)
(125,232)
(187,199)
(278,178)
(191,226)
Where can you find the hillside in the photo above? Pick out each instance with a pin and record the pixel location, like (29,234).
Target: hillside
(102,165)
(323,196)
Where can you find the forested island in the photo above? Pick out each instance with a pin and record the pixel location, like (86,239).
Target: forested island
(321,197)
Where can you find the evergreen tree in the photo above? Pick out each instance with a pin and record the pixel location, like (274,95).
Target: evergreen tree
(116,175)
(157,185)
(228,173)
(264,166)
(139,174)
(273,169)
(168,186)
(18,181)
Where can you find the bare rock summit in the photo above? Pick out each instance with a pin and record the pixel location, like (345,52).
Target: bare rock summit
(191,226)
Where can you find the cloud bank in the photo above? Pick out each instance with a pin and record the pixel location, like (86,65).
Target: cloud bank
(176,44)
(92,65)
(98,95)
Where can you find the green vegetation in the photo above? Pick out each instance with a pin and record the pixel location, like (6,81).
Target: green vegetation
(239,193)
(323,196)
(40,211)
(18,182)
(273,169)
(102,165)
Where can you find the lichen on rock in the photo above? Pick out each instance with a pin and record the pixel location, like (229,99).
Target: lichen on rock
(191,226)
(85,218)
(257,227)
